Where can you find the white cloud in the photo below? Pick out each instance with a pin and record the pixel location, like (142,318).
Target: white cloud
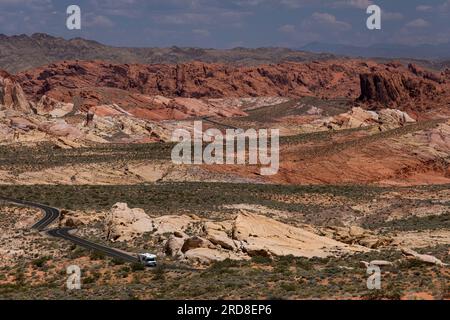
(321,20)
(222,17)
(392,16)
(445,6)
(98,21)
(249,3)
(35,5)
(201,32)
(292,3)
(418,23)
(287,28)
(360,4)
(121,8)
(424,8)
(24,2)
(182,18)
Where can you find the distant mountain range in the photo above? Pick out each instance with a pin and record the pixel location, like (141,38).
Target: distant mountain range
(18,53)
(22,52)
(429,52)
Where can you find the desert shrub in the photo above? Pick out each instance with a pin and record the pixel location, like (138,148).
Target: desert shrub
(261,259)
(137,266)
(304,264)
(159,272)
(95,255)
(224,266)
(117,262)
(389,293)
(76,253)
(289,286)
(40,262)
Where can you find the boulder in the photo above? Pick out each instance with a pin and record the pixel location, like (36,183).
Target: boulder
(72,222)
(261,235)
(358,117)
(123,223)
(60,128)
(395,117)
(355,231)
(220,238)
(373,242)
(172,224)
(194,243)
(422,257)
(255,250)
(206,256)
(247,235)
(379,263)
(216,234)
(173,246)
(22,124)
(356,235)
(52,107)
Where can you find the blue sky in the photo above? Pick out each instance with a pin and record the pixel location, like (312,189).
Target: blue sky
(231,23)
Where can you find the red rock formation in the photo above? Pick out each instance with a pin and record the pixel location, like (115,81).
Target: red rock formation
(418,71)
(131,86)
(195,80)
(398,89)
(11,93)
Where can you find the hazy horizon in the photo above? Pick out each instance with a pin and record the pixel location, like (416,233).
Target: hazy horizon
(232,23)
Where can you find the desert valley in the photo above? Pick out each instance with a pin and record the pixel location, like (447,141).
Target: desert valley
(363,178)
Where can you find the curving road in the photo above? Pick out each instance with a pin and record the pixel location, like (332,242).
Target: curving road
(52,214)
(64,233)
(208,119)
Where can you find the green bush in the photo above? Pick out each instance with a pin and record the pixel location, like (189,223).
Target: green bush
(40,262)
(261,260)
(137,266)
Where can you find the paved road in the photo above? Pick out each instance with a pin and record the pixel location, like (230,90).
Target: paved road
(64,233)
(52,214)
(207,119)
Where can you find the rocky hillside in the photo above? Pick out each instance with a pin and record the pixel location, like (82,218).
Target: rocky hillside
(18,53)
(11,93)
(129,85)
(196,80)
(130,101)
(246,235)
(415,89)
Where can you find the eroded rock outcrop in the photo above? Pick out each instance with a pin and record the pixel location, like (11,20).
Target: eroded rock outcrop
(11,93)
(357,235)
(197,240)
(123,223)
(246,235)
(411,254)
(421,72)
(259,235)
(393,89)
(167,92)
(359,117)
(63,80)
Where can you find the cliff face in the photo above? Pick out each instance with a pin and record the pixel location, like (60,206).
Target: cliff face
(11,93)
(197,80)
(382,87)
(426,74)
(369,84)
(397,89)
